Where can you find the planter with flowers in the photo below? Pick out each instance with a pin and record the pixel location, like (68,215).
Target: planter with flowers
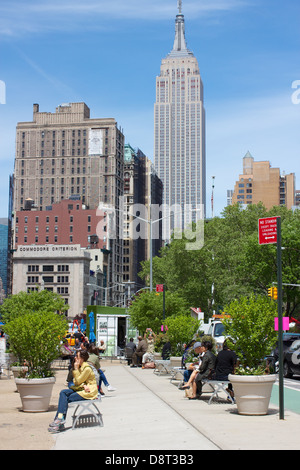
(35,338)
(250,329)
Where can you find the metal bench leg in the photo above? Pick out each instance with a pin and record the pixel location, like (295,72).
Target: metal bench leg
(215,394)
(85,407)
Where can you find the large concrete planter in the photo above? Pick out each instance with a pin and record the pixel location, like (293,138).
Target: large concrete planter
(175,361)
(17,370)
(35,394)
(252,393)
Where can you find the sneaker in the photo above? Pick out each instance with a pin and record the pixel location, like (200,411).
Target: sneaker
(111,389)
(57,422)
(56,428)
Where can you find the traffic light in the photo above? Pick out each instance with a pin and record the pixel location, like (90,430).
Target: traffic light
(270,292)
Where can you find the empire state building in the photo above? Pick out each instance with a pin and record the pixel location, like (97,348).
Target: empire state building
(179,126)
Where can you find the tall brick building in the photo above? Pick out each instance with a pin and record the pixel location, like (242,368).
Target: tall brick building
(69,155)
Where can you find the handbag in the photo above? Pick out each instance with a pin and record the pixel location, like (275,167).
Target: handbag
(149,365)
(189,392)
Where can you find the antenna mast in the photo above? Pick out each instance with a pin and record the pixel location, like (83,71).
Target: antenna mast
(180,6)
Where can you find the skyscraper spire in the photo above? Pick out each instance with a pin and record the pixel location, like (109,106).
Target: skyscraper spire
(179,132)
(180,47)
(180,6)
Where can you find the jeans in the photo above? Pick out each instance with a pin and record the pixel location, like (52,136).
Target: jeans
(186,375)
(65,397)
(102,378)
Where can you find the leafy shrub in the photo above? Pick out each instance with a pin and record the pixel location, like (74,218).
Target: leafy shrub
(251,331)
(35,339)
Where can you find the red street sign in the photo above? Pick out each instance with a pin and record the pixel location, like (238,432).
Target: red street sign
(159,287)
(267,230)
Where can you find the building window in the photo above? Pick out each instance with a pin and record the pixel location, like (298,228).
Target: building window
(33,268)
(48,268)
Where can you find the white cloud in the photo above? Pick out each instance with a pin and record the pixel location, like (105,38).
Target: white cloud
(18,17)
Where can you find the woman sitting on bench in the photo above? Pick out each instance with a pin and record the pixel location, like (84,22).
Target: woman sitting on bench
(84,388)
(205,369)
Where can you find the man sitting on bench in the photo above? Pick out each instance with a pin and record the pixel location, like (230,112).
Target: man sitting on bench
(205,369)
(225,364)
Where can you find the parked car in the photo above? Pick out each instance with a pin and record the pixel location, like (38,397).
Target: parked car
(291,355)
(291,359)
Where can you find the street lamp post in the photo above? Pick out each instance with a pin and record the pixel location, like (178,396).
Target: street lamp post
(105,288)
(151,222)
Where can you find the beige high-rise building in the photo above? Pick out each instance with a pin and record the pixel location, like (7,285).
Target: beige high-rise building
(63,154)
(259,182)
(179,125)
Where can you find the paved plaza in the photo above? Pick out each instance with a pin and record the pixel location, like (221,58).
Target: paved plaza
(146,412)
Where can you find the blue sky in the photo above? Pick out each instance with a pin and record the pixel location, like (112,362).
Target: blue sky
(108,54)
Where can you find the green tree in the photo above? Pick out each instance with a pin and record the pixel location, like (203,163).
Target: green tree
(231,263)
(183,272)
(181,330)
(146,311)
(28,302)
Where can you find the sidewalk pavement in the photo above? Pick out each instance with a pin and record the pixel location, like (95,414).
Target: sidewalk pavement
(147,412)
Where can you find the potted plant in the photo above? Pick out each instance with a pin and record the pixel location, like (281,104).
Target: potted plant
(35,338)
(251,333)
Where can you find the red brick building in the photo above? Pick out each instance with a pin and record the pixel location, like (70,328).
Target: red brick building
(66,222)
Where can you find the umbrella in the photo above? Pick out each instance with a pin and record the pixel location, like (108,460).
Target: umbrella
(92,336)
(82,325)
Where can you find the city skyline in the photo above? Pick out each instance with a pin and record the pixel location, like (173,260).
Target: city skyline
(108,55)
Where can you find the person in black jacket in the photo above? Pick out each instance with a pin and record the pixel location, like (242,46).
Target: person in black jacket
(205,370)
(225,364)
